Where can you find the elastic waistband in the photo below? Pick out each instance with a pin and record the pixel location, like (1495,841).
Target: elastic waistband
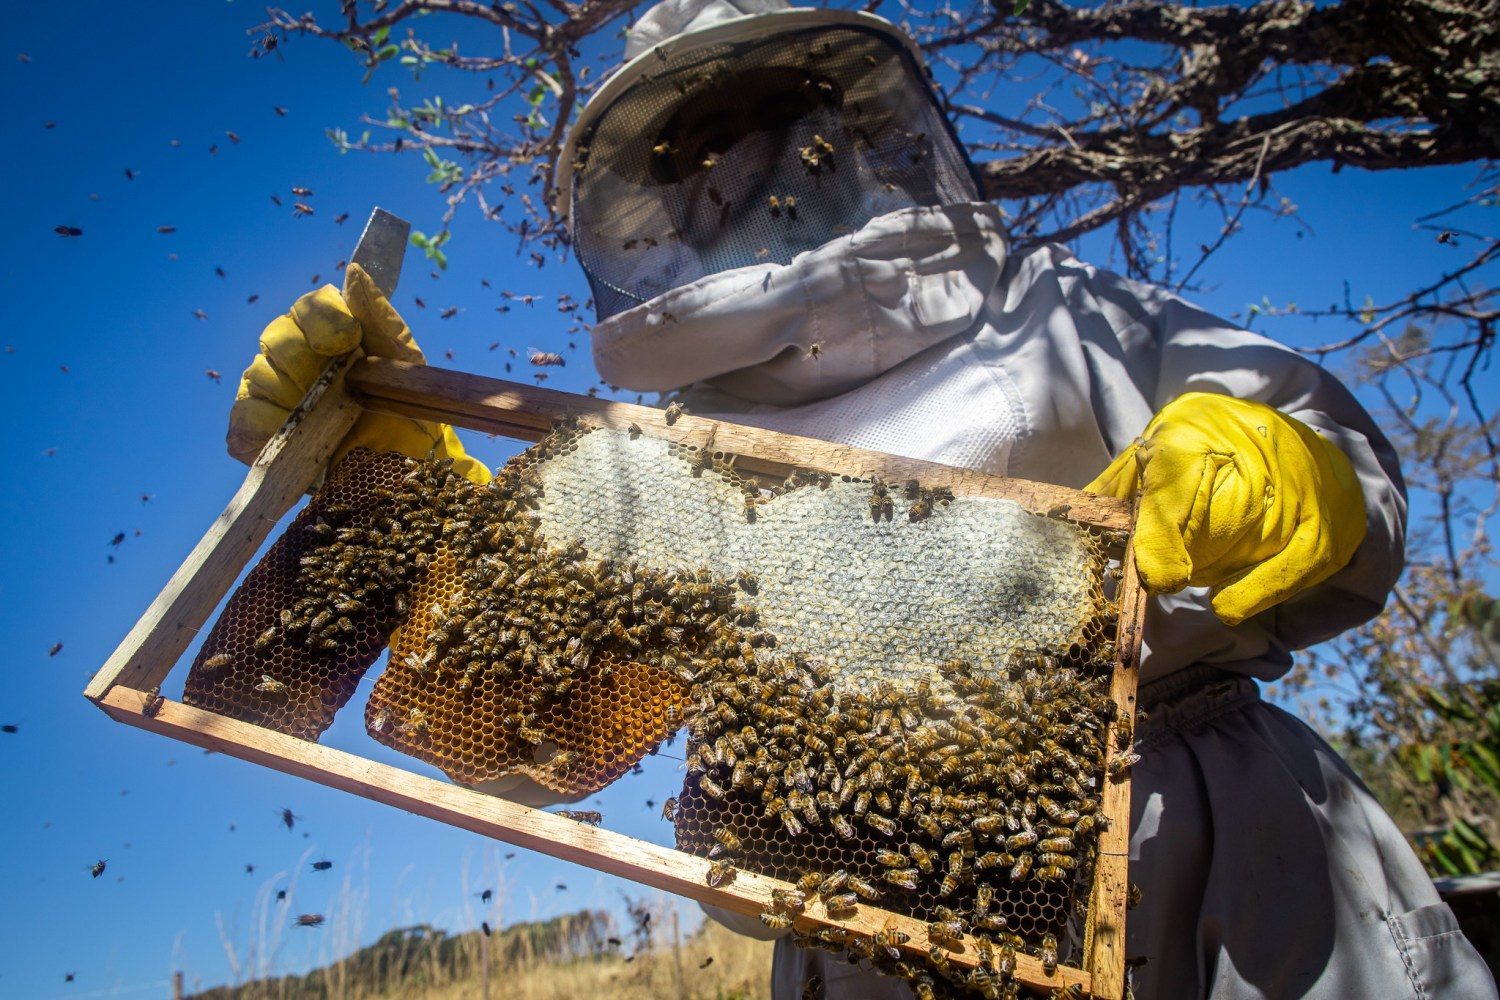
(1190,698)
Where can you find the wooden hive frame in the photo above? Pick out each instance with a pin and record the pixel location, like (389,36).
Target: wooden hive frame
(292,463)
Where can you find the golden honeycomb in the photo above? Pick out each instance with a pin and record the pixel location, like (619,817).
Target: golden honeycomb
(890,691)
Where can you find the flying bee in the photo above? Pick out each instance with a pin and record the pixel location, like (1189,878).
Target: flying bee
(310,920)
(1133,896)
(669,810)
(1048,954)
(891,940)
(906,878)
(719,872)
(270,685)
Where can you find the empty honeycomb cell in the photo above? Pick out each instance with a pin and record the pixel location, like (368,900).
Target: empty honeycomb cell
(882,683)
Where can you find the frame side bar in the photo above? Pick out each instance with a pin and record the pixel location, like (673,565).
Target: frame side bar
(603,850)
(1104,942)
(498,405)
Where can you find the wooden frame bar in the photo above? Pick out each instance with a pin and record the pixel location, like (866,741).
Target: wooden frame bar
(295,458)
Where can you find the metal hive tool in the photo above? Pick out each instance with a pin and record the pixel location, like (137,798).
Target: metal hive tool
(891,691)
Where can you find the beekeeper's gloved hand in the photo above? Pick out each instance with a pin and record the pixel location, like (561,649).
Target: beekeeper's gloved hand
(1238,497)
(296,347)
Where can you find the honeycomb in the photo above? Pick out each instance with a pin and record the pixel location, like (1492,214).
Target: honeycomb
(892,695)
(252,666)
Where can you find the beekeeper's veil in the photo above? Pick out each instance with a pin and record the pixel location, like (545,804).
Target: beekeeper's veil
(745,131)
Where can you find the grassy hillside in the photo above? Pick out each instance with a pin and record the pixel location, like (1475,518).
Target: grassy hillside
(575,956)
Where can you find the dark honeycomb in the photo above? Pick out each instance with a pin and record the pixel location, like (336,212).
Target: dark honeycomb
(253,668)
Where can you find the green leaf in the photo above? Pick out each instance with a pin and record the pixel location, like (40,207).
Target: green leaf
(441,259)
(380,35)
(1367,314)
(419,239)
(432,158)
(1020,7)
(387,51)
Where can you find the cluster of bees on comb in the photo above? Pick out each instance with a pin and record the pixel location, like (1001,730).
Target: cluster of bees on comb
(965,793)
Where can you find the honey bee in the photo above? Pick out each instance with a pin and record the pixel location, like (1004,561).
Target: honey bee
(841,905)
(1017,841)
(380,721)
(842,826)
(153,702)
(891,940)
(888,858)
(919,509)
(792,900)
(775,921)
(940,961)
(984,897)
(663,148)
(674,410)
(1133,896)
(270,685)
(588,817)
(948,933)
(905,877)
(1072,991)
(864,890)
(669,810)
(813,988)
(775,204)
(719,872)
(218,660)
(882,824)
(728,839)
(1056,845)
(710,787)
(926,860)
(810,882)
(1051,873)
(1120,765)
(1048,954)
(1022,868)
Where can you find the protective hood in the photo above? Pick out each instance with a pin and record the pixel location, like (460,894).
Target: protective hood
(828,321)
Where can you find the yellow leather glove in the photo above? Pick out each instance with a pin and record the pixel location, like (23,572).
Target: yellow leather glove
(296,347)
(1238,497)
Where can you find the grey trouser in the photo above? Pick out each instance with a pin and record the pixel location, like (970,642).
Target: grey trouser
(1267,869)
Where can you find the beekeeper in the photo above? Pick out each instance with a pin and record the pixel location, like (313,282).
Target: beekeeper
(779,226)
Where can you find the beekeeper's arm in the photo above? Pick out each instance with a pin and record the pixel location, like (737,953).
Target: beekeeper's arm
(297,346)
(1261,477)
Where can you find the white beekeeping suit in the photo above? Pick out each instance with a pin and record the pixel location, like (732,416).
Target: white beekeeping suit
(779,225)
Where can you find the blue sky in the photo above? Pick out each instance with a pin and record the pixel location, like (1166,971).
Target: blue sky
(113,426)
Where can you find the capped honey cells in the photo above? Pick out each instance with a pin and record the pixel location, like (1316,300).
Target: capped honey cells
(893,696)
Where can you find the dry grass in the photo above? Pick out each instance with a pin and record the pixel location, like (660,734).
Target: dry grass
(741,967)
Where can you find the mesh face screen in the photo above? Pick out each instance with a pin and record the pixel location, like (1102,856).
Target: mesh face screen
(733,155)
(892,695)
